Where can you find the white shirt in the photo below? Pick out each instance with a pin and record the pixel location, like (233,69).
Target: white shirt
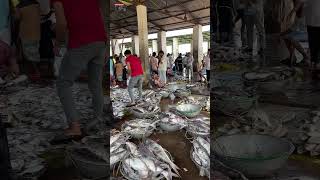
(163,66)
(312,12)
(206,60)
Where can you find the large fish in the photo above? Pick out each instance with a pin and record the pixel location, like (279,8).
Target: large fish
(161,154)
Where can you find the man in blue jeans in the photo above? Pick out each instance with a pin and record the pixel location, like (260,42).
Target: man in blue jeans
(136,75)
(86,48)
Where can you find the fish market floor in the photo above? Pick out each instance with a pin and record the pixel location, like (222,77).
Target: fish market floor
(179,147)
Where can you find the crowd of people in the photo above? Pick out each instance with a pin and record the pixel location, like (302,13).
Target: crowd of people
(291,21)
(161,68)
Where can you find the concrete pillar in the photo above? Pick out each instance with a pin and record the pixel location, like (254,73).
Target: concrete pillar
(155,46)
(116,46)
(143,40)
(135,45)
(162,42)
(175,47)
(197,46)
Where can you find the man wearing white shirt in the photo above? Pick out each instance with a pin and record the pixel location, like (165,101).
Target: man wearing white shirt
(189,65)
(163,65)
(312,13)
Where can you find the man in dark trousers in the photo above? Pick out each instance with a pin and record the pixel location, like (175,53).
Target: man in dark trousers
(83,21)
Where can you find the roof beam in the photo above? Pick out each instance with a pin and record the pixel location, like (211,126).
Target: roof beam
(133,23)
(154,10)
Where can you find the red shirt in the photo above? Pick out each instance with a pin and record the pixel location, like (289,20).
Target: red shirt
(135,65)
(84,21)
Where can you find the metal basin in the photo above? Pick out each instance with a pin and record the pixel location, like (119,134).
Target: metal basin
(189,110)
(254,155)
(89,167)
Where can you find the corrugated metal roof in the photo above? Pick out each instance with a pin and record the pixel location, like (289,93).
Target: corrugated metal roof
(162,15)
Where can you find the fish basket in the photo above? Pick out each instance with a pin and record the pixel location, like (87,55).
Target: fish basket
(206,170)
(254,155)
(235,104)
(144,133)
(189,110)
(88,167)
(170,127)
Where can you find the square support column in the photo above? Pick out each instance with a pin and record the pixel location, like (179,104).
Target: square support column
(135,45)
(197,46)
(143,40)
(115,47)
(162,42)
(175,47)
(155,46)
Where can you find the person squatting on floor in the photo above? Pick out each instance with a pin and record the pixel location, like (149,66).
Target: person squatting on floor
(135,72)
(86,48)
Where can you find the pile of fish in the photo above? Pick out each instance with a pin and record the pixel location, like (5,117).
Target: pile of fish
(26,144)
(120,98)
(36,113)
(272,79)
(200,154)
(145,110)
(229,54)
(118,149)
(203,101)
(179,78)
(310,135)
(139,128)
(9,81)
(171,122)
(148,161)
(182,93)
(41,107)
(257,121)
(199,126)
